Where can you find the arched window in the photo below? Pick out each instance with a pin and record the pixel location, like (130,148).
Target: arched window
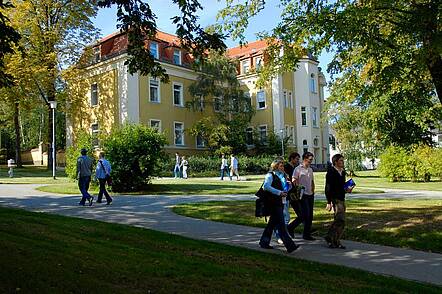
(304,142)
(315,141)
(313,83)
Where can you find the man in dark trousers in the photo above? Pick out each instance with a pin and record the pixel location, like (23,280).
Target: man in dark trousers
(84,172)
(289,167)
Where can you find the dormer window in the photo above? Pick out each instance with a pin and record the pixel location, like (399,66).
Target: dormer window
(245,66)
(258,63)
(153,48)
(97,54)
(177,56)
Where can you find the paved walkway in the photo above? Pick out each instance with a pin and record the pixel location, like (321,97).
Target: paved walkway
(154,212)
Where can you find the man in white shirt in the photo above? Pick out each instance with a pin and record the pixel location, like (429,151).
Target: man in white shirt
(224,167)
(234,167)
(303,175)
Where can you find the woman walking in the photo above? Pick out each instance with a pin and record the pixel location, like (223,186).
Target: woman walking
(184,165)
(102,171)
(335,193)
(274,184)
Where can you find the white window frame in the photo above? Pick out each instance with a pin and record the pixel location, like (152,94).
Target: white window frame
(174,133)
(257,100)
(291,99)
(92,94)
(196,142)
(304,112)
(266,133)
(158,90)
(313,88)
(315,117)
(157,53)
(95,134)
(155,120)
(245,62)
(285,97)
(179,56)
(181,94)
(258,65)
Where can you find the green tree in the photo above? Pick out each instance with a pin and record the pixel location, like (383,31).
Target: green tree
(217,86)
(8,37)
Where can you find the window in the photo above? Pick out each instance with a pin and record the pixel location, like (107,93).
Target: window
(155,124)
(95,133)
(178,94)
(291,99)
(94,94)
(305,150)
(304,142)
(292,133)
(154,90)
(217,103)
(314,116)
(97,54)
(153,48)
(312,83)
(315,141)
(258,63)
(177,56)
(245,66)
(286,131)
(286,101)
(247,101)
(303,116)
(261,99)
(262,134)
(178,133)
(200,142)
(249,136)
(201,103)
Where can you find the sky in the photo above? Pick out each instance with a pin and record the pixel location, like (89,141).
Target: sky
(165,9)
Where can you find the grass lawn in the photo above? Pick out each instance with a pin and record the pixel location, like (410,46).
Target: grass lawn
(32,175)
(43,253)
(191,186)
(415,224)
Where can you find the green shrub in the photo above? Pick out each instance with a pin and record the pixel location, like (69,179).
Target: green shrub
(423,157)
(135,152)
(394,162)
(436,163)
(82,140)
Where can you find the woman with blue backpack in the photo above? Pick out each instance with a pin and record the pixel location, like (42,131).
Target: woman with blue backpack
(276,187)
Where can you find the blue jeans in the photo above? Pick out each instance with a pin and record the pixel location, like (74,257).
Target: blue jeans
(83,185)
(225,170)
(177,171)
(277,221)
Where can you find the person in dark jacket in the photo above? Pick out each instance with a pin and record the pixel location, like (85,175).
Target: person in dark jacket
(335,193)
(275,184)
(84,172)
(103,171)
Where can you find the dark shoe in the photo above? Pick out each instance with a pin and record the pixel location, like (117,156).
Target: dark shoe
(332,246)
(292,249)
(265,246)
(340,246)
(309,238)
(109,202)
(81,203)
(328,240)
(91,200)
(98,201)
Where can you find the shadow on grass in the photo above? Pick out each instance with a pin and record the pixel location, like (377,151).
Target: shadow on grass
(192,188)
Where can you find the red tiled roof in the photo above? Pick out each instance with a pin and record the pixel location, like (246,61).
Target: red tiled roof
(250,48)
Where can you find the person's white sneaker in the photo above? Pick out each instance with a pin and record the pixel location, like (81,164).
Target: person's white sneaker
(279,241)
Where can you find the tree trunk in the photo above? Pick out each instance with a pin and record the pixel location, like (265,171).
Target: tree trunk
(17,136)
(435,67)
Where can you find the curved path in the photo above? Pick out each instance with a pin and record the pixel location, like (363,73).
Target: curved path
(154,212)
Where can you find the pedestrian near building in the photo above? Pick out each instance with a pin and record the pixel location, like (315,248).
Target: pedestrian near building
(224,167)
(103,171)
(84,172)
(303,175)
(234,167)
(335,193)
(274,185)
(184,166)
(177,167)
(289,167)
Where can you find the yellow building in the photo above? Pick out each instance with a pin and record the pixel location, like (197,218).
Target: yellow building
(110,96)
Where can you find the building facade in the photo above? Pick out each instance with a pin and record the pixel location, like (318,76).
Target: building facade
(109,96)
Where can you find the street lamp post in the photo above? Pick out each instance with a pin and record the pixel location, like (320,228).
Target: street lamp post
(282,142)
(53,105)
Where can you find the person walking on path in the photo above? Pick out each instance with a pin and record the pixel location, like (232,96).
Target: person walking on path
(101,173)
(234,167)
(274,185)
(224,167)
(289,167)
(303,175)
(184,166)
(177,167)
(335,193)
(84,172)
(287,186)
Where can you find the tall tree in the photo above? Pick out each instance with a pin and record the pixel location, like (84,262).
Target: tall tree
(217,86)
(8,37)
